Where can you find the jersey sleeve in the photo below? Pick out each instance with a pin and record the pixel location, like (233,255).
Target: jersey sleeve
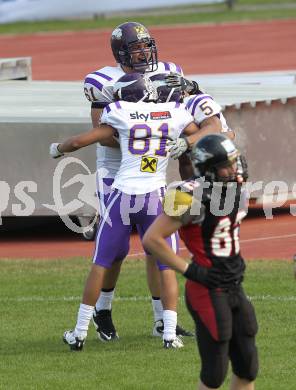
(111,115)
(203,106)
(167,67)
(98,89)
(182,117)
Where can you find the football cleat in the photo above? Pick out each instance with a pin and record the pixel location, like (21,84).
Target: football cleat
(103,323)
(175,343)
(158,330)
(75,343)
(183,332)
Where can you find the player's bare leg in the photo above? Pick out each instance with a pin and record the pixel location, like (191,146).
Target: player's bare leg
(153,281)
(111,275)
(241,384)
(102,316)
(169,297)
(93,285)
(169,289)
(153,276)
(236,384)
(201,386)
(75,339)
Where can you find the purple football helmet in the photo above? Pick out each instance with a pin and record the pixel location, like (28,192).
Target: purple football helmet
(135,87)
(132,38)
(164,92)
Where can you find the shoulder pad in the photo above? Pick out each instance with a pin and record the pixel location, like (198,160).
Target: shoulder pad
(176,202)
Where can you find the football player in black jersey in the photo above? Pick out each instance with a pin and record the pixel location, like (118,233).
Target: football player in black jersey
(207,211)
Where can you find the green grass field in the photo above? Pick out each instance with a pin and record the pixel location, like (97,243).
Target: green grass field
(244,10)
(39,300)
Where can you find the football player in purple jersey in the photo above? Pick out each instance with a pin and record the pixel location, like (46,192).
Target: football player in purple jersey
(134,50)
(144,129)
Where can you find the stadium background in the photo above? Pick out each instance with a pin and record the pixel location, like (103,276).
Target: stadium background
(241,47)
(67,56)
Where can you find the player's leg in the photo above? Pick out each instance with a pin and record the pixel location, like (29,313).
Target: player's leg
(169,297)
(241,384)
(76,338)
(242,349)
(213,320)
(168,285)
(102,316)
(153,282)
(105,254)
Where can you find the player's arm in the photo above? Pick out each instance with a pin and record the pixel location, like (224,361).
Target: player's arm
(208,126)
(97,134)
(155,242)
(96,113)
(193,133)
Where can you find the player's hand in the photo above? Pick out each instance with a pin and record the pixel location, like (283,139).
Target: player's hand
(177,147)
(54,151)
(209,277)
(175,80)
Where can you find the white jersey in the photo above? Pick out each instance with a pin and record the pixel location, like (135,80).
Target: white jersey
(203,106)
(144,129)
(98,88)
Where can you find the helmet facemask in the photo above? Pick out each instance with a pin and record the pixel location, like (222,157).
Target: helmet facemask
(128,41)
(149,55)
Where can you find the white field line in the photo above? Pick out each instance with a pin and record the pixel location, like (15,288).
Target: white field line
(259,298)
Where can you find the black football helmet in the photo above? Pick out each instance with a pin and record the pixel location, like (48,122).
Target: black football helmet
(165,92)
(124,40)
(216,151)
(135,87)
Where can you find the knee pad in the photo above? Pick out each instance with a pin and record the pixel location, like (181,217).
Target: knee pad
(249,369)
(214,376)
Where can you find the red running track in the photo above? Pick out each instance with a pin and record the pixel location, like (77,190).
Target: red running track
(210,48)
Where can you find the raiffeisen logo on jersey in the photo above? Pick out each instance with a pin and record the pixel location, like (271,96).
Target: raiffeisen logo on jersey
(137,115)
(160,115)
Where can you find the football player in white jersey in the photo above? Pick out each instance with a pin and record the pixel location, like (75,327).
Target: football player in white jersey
(134,51)
(207,114)
(144,129)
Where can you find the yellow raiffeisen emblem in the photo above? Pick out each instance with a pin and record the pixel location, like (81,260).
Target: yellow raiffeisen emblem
(141,32)
(149,164)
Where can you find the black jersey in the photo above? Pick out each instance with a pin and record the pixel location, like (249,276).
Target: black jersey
(210,216)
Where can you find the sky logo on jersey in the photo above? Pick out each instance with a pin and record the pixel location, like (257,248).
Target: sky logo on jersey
(149,164)
(160,115)
(138,116)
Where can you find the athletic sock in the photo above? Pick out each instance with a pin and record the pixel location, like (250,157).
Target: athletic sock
(157,308)
(170,323)
(105,299)
(85,313)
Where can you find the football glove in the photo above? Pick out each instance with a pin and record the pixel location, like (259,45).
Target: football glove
(177,147)
(175,80)
(54,151)
(209,277)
